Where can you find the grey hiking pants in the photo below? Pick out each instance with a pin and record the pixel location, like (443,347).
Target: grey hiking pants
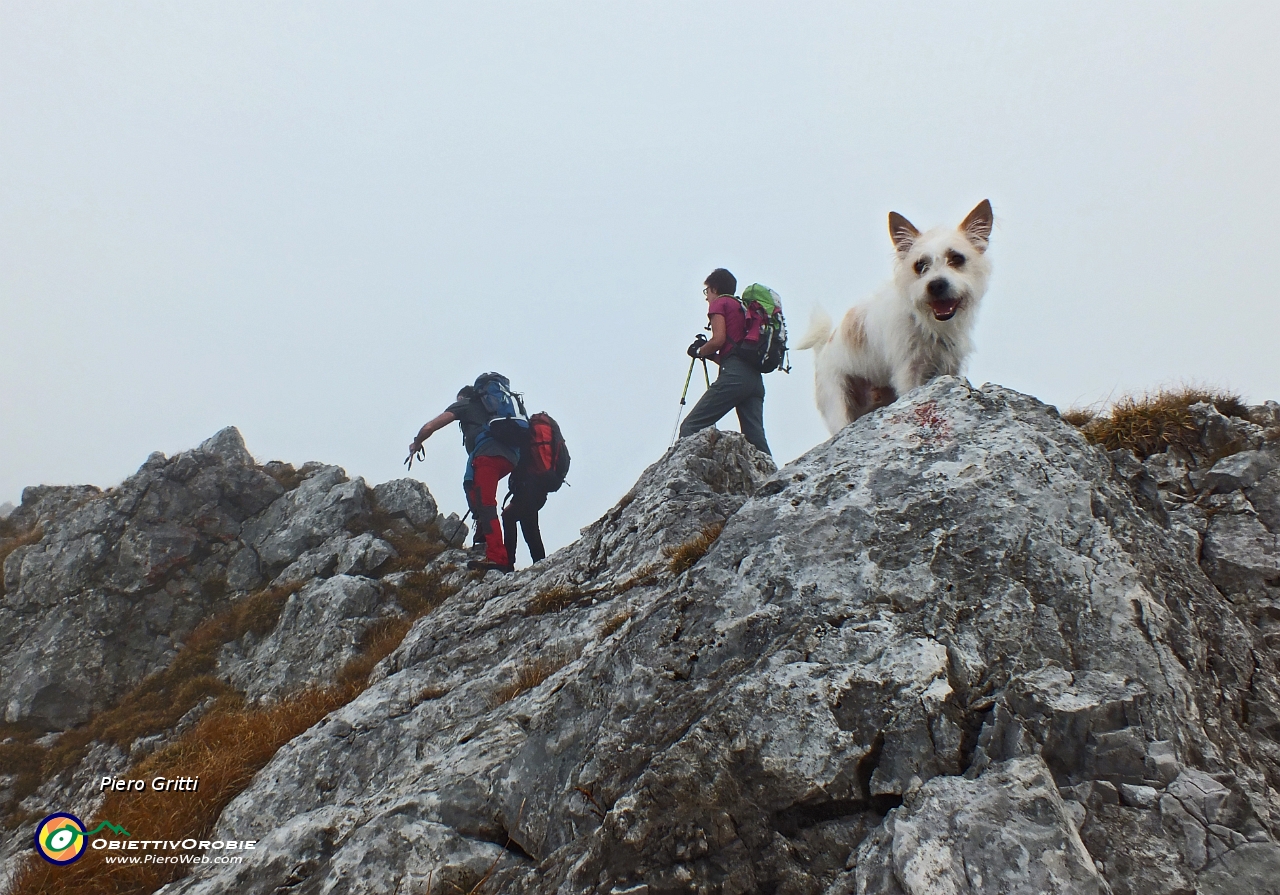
(738,387)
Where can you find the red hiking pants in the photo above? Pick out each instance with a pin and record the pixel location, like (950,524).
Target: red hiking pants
(482,498)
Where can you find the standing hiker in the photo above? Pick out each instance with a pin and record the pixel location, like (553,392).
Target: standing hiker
(739,385)
(526,499)
(544,462)
(486,413)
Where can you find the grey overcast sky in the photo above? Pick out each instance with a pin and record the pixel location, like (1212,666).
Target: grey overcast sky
(315,221)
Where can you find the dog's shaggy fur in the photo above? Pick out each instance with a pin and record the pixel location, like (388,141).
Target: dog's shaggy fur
(913,329)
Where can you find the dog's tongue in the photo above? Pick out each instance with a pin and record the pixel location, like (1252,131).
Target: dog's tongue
(944,308)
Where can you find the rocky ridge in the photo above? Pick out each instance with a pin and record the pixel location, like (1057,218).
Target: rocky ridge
(955,648)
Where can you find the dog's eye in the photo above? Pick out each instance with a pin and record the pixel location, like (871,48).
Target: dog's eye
(921,265)
(954,258)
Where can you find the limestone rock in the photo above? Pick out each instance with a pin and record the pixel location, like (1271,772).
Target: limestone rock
(883,676)
(319,631)
(407,499)
(1006,831)
(120,577)
(955,648)
(325,505)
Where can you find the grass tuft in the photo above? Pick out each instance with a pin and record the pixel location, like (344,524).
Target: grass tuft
(378,642)
(683,557)
(284,473)
(1079,417)
(527,677)
(556,598)
(420,592)
(645,576)
(610,627)
(1150,423)
(414,549)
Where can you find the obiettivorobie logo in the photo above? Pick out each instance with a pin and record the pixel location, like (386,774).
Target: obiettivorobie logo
(61,838)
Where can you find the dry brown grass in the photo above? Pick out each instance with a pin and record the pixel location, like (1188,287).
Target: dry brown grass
(1150,423)
(1078,417)
(284,473)
(528,676)
(644,576)
(160,701)
(414,549)
(225,749)
(11,539)
(610,627)
(420,592)
(683,557)
(378,642)
(556,598)
(153,706)
(553,599)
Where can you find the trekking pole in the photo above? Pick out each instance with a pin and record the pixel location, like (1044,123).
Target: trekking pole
(680,412)
(705,374)
(461,527)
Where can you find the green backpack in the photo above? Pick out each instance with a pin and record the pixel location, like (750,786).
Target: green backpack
(765,344)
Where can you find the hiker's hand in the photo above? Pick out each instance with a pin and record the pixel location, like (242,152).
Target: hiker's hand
(696,347)
(416,451)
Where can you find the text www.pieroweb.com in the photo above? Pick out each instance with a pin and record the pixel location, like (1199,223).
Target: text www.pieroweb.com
(173,859)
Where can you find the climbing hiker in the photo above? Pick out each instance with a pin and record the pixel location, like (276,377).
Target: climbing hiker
(491,432)
(739,385)
(544,463)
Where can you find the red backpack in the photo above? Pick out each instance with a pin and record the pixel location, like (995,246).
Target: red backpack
(546,460)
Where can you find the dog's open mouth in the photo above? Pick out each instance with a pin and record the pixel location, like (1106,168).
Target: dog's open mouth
(944,308)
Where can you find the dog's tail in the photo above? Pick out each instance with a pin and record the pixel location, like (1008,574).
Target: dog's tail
(818,334)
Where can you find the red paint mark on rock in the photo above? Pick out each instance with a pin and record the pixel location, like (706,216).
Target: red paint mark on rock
(933,425)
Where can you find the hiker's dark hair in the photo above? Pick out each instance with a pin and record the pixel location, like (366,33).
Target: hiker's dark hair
(467,393)
(722,281)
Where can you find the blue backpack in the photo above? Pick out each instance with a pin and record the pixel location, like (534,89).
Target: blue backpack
(505,409)
(495,394)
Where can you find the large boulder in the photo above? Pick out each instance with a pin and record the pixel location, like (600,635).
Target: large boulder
(952,649)
(120,577)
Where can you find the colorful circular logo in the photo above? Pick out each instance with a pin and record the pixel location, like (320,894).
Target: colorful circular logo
(60,838)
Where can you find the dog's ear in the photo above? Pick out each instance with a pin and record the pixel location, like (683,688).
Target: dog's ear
(902,232)
(977,226)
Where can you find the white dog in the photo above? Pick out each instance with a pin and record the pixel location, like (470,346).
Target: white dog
(913,329)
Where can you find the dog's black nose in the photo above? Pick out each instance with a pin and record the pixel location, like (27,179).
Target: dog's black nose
(939,288)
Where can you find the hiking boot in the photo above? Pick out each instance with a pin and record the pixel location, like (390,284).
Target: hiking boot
(484,565)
